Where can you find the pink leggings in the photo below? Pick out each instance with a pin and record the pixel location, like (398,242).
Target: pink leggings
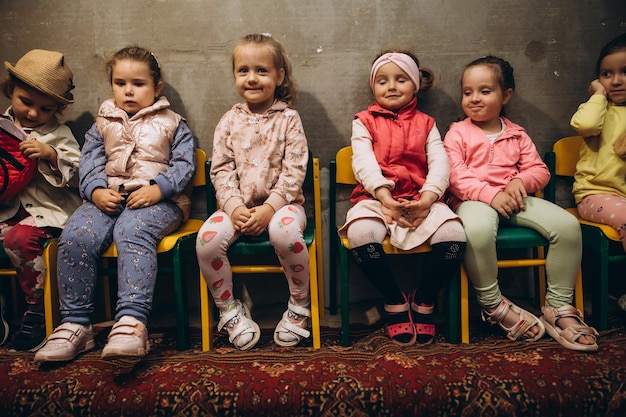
(286,235)
(607,209)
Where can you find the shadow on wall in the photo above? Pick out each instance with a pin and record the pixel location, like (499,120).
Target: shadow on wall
(323,137)
(439,105)
(80,126)
(176,105)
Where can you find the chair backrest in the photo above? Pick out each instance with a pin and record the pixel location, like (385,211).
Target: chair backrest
(343,161)
(561,162)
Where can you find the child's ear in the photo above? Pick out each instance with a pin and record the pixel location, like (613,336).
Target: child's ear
(507,96)
(281,76)
(158,89)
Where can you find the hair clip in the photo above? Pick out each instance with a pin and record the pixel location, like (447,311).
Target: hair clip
(267,34)
(156,60)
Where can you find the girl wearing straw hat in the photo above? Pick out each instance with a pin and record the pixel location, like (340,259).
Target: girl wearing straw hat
(39,86)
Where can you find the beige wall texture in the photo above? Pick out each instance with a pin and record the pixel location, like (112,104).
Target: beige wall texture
(552,45)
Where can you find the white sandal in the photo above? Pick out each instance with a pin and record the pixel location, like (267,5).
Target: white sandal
(517,331)
(238,322)
(288,333)
(568,337)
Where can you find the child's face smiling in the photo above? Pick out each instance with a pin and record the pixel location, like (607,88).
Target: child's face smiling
(133,86)
(483,98)
(393,88)
(31,108)
(256,77)
(613,76)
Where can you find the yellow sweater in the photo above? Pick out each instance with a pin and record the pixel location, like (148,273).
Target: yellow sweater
(599,170)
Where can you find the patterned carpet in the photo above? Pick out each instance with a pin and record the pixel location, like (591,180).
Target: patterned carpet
(490,377)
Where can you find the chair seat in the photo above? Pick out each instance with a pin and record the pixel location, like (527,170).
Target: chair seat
(608,231)
(190,227)
(256,245)
(519,237)
(390,249)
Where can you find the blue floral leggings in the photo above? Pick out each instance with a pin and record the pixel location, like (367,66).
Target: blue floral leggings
(136,233)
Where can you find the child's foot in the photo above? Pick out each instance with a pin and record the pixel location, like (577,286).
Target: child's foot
(243,332)
(292,328)
(32,335)
(566,326)
(400,326)
(128,338)
(515,321)
(422,315)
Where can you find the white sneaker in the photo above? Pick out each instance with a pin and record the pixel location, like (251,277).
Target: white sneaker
(66,342)
(128,338)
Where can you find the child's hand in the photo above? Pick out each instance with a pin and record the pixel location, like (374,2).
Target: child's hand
(415,211)
(34,149)
(145,196)
(596,88)
(515,188)
(107,200)
(504,204)
(260,217)
(240,216)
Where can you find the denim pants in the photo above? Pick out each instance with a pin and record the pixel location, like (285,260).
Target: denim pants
(136,233)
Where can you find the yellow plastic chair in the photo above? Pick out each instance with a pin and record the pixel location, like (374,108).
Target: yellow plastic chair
(179,245)
(341,174)
(601,243)
(260,245)
(9,271)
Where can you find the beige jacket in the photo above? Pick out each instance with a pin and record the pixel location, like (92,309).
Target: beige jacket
(52,196)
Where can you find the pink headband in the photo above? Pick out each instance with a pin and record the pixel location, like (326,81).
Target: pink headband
(403,61)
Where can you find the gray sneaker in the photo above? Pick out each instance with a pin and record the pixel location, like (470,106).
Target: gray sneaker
(66,342)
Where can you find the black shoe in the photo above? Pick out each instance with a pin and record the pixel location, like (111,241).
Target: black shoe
(32,335)
(4,326)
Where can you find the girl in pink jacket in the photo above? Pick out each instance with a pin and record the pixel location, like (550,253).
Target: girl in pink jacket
(494,166)
(259,163)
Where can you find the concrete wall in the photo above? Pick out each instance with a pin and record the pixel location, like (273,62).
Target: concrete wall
(552,45)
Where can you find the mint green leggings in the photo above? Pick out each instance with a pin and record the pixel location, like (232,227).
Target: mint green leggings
(560,228)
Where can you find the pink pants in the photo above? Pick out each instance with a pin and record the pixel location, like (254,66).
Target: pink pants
(606,209)
(23,243)
(286,235)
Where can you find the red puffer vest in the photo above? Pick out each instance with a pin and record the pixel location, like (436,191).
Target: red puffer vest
(399,143)
(16,170)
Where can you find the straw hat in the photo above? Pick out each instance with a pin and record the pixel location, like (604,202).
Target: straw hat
(45,71)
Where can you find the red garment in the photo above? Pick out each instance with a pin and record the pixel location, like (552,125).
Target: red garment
(399,143)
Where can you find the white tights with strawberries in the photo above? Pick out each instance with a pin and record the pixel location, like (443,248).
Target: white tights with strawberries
(286,235)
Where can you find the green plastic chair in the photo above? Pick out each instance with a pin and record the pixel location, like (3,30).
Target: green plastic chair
(341,174)
(261,247)
(602,247)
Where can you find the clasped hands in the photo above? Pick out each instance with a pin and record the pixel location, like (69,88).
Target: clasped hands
(407,213)
(252,221)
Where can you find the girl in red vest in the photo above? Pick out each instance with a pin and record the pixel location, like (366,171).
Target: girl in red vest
(402,170)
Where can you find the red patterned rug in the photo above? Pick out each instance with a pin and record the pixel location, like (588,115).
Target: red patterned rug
(490,377)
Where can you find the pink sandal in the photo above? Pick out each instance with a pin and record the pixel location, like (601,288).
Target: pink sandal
(422,329)
(400,329)
(568,337)
(526,321)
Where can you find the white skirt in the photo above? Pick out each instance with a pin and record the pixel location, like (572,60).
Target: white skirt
(401,237)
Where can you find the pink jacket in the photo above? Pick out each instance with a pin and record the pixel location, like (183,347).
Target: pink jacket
(479,169)
(259,158)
